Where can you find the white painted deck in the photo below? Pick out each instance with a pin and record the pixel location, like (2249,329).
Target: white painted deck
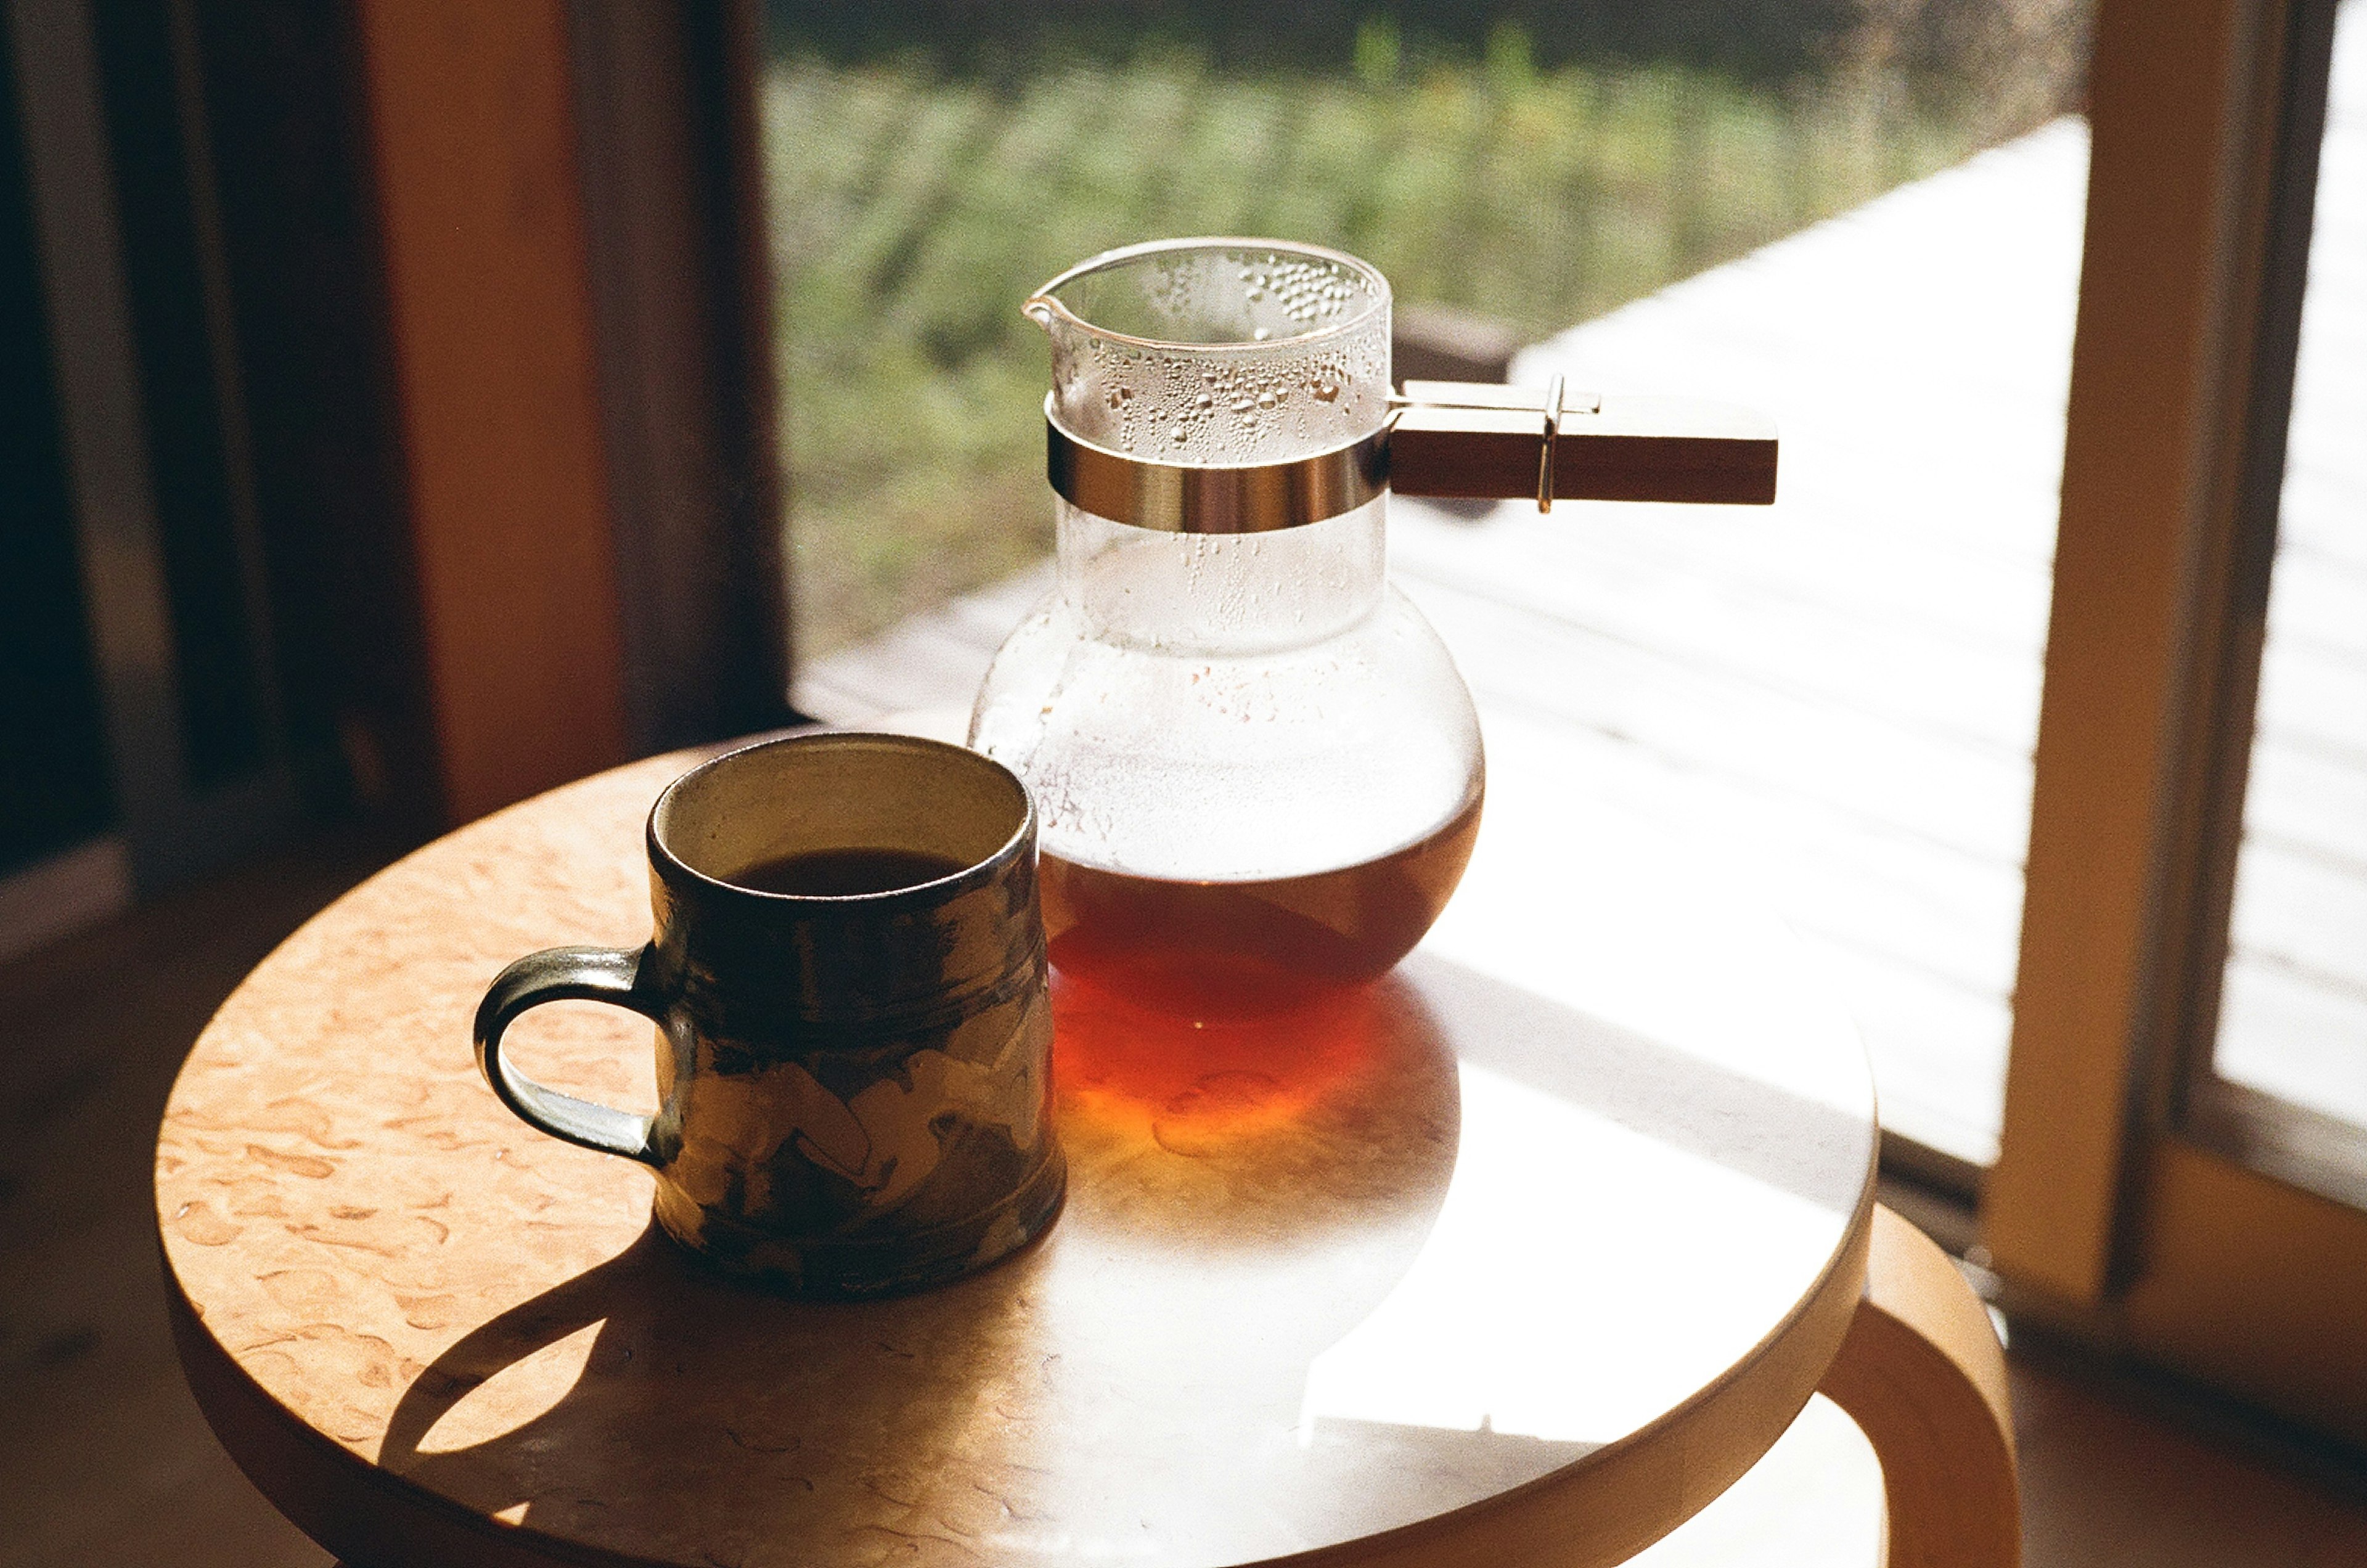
(1839,695)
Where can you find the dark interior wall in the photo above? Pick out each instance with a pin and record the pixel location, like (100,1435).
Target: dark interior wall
(199,411)
(189,401)
(263,417)
(665,114)
(305,285)
(733,259)
(54,786)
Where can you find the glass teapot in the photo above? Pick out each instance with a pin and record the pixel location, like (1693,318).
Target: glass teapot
(1257,770)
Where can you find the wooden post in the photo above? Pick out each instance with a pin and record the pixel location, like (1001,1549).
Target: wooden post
(473,147)
(2146,532)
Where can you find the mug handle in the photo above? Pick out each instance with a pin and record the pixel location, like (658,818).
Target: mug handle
(608,974)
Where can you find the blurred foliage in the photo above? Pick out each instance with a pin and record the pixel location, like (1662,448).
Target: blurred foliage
(1765,43)
(930,164)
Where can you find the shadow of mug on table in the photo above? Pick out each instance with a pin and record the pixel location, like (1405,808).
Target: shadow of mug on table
(853,1029)
(1229,1218)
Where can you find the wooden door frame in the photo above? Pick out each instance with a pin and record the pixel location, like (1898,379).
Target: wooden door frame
(2105,1212)
(578,315)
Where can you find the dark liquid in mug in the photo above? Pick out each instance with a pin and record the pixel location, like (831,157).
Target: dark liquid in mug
(839,874)
(1225,948)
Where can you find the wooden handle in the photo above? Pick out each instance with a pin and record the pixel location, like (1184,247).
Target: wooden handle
(1454,438)
(1922,1374)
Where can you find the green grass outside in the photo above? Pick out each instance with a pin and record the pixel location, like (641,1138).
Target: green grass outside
(912,214)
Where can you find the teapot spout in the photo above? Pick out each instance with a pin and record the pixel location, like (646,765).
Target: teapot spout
(1144,339)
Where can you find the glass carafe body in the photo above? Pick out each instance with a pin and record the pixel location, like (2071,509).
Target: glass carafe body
(1257,770)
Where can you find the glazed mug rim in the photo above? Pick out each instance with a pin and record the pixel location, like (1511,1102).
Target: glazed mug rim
(685,878)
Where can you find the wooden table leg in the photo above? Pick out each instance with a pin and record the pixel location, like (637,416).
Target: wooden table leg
(1922,1374)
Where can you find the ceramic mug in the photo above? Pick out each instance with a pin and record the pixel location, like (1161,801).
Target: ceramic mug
(853,1030)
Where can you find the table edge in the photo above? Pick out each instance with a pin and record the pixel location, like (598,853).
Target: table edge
(1596,1512)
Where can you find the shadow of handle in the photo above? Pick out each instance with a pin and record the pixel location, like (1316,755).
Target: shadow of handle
(1922,1374)
(568,974)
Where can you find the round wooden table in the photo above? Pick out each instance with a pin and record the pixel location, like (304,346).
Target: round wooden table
(1545,1240)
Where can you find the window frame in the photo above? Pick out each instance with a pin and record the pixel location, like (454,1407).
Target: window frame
(2111,1211)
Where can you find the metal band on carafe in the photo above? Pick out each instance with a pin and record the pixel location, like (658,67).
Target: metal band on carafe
(1195,498)
(1446,439)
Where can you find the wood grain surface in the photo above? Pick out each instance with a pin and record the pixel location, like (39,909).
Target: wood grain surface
(1547,1238)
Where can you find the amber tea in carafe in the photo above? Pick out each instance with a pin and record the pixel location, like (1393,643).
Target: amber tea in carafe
(1219,948)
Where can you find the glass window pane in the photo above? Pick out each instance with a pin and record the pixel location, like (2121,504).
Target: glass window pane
(2293,1019)
(1862,221)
